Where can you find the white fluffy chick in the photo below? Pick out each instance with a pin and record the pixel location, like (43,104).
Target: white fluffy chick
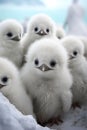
(12,88)
(39,26)
(10,36)
(60,32)
(47,79)
(78,67)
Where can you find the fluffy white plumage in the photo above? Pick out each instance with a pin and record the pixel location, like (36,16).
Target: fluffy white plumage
(60,32)
(78,66)
(12,88)
(10,36)
(47,79)
(84,40)
(39,26)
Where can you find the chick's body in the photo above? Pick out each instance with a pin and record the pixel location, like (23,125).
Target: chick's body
(45,79)
(79,88)
(12,87)
(78,67)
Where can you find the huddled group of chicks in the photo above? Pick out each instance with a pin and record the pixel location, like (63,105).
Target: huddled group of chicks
(43,72)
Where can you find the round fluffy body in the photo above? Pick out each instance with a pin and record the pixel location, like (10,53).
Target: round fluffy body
(47,79)
(10,35)
(78,67)
(11,87)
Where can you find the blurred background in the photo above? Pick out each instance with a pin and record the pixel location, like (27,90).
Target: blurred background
(22,10)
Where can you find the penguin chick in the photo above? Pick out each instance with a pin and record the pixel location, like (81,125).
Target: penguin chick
(10,36)
(78,67)
(12,88)
(47,79)
(60,33)
(39,26)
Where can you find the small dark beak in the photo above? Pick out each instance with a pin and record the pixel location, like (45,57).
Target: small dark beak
(44,68)
(1,86)
(42,33)
(71,57)
(16,38)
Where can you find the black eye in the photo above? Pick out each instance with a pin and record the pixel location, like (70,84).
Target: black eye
(75,53)
(52,63)
(36,62)
(47,30)
(59,37)
(4,79)
(9,34)
(36,29)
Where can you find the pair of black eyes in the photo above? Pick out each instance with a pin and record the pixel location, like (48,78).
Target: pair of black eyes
(52,63)
(4,79)
(75,53)
(36,29)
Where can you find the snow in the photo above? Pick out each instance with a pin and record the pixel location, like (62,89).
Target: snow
(75,119)
(12,119)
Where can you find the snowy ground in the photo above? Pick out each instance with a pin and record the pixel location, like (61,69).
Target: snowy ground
(12,119)
(74,120)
